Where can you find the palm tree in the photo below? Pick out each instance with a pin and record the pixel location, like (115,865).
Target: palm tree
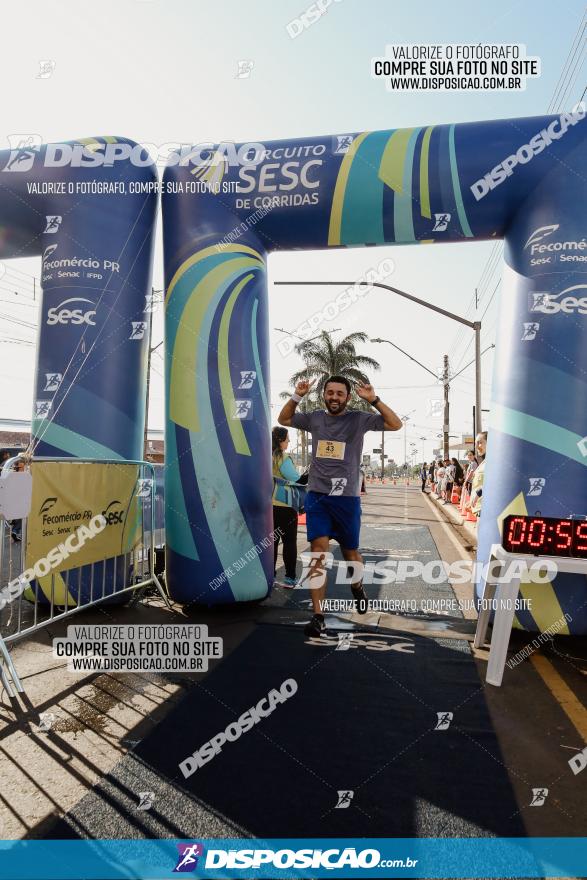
(324,357)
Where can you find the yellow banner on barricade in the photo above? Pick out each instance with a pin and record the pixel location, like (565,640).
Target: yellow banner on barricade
(67,495)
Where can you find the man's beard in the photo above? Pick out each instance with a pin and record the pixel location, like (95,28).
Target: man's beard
(335,407)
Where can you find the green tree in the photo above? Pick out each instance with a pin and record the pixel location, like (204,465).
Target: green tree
(324,357)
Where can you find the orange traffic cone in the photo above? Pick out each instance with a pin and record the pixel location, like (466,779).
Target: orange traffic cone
(470,516)
(301,519)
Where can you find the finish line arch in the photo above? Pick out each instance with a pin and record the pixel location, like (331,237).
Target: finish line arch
(523,180)
(80,206)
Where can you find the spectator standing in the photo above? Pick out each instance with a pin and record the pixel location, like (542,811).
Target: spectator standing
(440,474)
(471,468)
(285,518)
(424,475)
(477,483)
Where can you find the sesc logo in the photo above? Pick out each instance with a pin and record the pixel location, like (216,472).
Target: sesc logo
(550,304)
(113,517)
(61,315)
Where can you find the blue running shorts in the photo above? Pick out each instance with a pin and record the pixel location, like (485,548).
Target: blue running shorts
(337,516)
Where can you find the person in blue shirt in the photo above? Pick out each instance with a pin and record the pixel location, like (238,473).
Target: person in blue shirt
(285,518)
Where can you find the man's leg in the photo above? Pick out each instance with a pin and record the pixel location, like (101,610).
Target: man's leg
(289,541)
(357,583)
(316,577)
(277,531)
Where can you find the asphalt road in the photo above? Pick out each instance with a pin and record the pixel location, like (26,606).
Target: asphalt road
(392,706)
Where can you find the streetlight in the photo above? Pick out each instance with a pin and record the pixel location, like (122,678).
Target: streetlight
(405,419)
(446,379)
(474,325)
(423,440)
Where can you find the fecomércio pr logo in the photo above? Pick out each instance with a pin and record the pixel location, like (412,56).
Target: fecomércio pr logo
(187,859)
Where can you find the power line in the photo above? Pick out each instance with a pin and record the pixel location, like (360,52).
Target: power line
(560,81)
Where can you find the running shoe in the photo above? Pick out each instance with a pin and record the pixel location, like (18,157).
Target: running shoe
(315,627)
(360,597)
(290,583)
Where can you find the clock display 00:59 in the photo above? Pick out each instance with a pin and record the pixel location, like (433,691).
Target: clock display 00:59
(545,536)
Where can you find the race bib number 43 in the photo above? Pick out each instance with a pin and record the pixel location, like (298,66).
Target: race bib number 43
(330,449)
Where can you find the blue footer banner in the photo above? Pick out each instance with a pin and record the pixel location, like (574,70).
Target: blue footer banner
(368,857)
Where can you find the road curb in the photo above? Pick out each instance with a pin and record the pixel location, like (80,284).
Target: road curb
(454,516)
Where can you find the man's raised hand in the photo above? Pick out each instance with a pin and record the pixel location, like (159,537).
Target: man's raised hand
(367,392)
(303,387)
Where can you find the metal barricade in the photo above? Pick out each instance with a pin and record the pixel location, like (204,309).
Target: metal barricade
(133,570)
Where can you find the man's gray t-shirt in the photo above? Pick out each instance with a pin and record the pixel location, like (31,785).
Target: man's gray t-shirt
(337,444)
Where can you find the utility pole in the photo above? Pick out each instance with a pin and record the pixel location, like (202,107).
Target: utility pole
(445,427)
(478,353)
(405,419)
(473,325)
(382,456)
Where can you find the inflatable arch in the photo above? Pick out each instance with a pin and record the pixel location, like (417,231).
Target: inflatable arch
(523,180)
(73,204)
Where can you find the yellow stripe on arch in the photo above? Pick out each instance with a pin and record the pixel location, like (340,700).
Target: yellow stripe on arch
(209,252)
(183,408)
(235,425)
(424,181)
(335,227)
(544,605)
(392,165)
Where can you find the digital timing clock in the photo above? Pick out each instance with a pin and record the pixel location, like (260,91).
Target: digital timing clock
(545,536)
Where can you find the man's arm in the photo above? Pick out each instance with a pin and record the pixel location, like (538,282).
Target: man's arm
(392,422)
(285,416)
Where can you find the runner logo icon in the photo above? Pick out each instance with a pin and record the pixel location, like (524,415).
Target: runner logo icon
(537,484)
(441,222)
(344,799)
(23,151)
(52,381)
(138,329)
(52,223)
(187,860)
(444,719)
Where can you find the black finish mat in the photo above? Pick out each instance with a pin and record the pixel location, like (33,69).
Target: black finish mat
(362,720)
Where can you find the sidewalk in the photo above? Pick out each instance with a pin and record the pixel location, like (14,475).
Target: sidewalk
(452,513)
